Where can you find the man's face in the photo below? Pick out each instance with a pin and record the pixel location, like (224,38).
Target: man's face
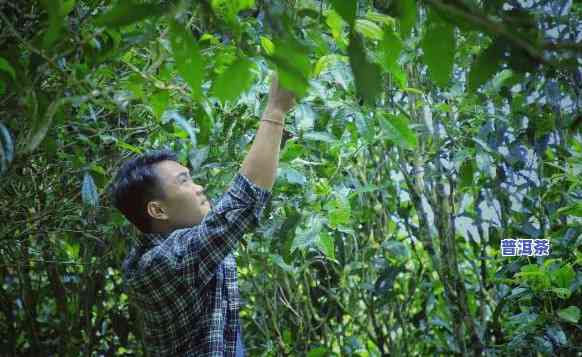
(185,204)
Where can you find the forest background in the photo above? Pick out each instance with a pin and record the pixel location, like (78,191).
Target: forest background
(425,133)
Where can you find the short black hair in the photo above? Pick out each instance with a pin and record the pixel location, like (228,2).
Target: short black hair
(136,184)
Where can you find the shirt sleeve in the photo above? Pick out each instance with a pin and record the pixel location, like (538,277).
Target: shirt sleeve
(196,252)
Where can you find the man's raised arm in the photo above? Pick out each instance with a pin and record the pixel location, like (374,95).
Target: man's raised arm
(260,164)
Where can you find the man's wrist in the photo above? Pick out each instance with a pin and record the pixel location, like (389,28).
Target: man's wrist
(274,113)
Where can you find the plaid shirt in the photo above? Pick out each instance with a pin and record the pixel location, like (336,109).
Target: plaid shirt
(185,282)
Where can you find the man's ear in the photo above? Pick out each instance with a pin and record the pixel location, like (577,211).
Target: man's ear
(157,210)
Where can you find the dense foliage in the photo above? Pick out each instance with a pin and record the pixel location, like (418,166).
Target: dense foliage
(426,132)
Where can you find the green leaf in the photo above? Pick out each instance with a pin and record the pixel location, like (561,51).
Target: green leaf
(129,11)
(183,122)
(293,65)
(292,150)
(326,244)
(42,126)
(267,45)
(367,75)
(396,248)
(485,66)
(278,260)
(67,6)
(407,15)
(318,352)
(574,209)
(308,236)
(205,123)
(368,29)
(438,46)
(381,18)
(563,277)
(562,293)
(346,9)
(570,314)
(5,66)
(466,172)
(338,212)
(159,103)
(291,175)
(390,48)
(327,61)
(235,80)
(55,21)
(319,136)
(189,61)
(336,25)
(397,128)
(89,191)
(72,249)
(129,147)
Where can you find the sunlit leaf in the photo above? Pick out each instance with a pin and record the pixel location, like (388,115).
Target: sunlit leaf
(293,65)
(563,277)
(336,24)
(368,29)
(397,128)
(338,211)
(309,235)
(267,45)
(236,79)
(326,244)
(129,147)
(346,9)
(327,61)
(319,136)
(189,61)
(570,314)
(318,352)
(381,18)
(183,122)
(159,102)
(391,46)
(291,175)
(72,249)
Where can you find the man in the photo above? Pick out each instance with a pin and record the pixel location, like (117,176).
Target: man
(181,272)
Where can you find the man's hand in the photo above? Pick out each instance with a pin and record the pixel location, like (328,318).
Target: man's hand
(280,99)
(260,164)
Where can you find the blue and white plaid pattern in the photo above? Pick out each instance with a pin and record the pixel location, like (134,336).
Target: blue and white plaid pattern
(185,282)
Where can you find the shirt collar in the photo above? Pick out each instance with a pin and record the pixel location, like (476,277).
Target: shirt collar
(150,239)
